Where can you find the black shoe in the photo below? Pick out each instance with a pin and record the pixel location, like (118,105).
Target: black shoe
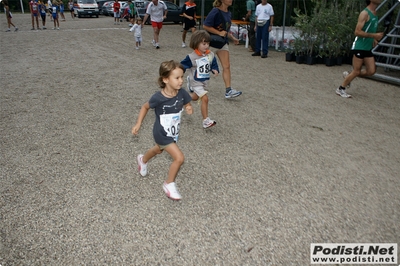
(157,47)
(256,54)
(264,56)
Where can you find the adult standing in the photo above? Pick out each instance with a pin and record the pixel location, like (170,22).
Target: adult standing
(8,15)
(366,39)
(251,17)
(132,12)
(71,8)
(189,19)
(264,22)
(157,10)
(34,9)
(116,8)
(218,22)
(61,5)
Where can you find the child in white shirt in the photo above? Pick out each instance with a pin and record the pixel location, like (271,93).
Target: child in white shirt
(137,31)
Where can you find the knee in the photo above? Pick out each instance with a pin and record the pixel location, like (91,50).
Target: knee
(371,72)
(180,159)
(356,72)
(204,99)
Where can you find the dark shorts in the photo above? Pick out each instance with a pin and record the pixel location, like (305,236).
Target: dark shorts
(361,54)
(188,24)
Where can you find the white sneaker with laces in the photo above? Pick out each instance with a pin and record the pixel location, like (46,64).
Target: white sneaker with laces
(342,93)
(183,45)
(142,165)
(207,123)
(172,191)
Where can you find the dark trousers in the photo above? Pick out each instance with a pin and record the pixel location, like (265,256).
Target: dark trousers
(252,36)
(262,36)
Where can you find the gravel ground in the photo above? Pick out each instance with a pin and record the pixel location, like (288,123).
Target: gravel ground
(288,164)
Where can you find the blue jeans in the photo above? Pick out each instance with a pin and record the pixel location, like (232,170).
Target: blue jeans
(262,34)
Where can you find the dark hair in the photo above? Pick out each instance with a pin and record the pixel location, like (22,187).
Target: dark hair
(198,37)
(368,2)
(165,71)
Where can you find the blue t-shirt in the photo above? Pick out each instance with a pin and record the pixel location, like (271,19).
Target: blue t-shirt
(54,10)
(168,116)
(214,19)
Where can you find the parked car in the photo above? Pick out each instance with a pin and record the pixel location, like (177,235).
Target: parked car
(100,4)
(86,8)
(173,15)
(110,8)
(104,7)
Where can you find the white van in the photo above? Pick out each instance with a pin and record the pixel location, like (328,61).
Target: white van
(86,8)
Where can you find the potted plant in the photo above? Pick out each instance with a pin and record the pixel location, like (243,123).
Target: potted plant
(298,47)
(289,53)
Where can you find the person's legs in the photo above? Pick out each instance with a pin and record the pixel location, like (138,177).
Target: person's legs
(265,38)
(9,22)
(223,57)
(184,36)
(370,67)
(37,21)
(153,151)
(258,40)
(204,106)
(156,33)
(33,21)
(357,65)
(252,36)
(178,159)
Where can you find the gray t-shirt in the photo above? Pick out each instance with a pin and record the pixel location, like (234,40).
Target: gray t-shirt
(168,116)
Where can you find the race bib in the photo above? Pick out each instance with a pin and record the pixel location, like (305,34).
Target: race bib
(203,68)
(171,124)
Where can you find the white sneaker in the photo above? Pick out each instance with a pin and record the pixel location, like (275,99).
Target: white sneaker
(142,165)
(183,45)
(207,123)
(172,191)
(137,47)
(153,42)
(342,93)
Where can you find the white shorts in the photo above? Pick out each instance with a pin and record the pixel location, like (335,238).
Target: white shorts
(200,91)
(116,15)
(138,38)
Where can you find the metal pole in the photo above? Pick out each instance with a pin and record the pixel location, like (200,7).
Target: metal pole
(284,22)
(22,6)
(202,12)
